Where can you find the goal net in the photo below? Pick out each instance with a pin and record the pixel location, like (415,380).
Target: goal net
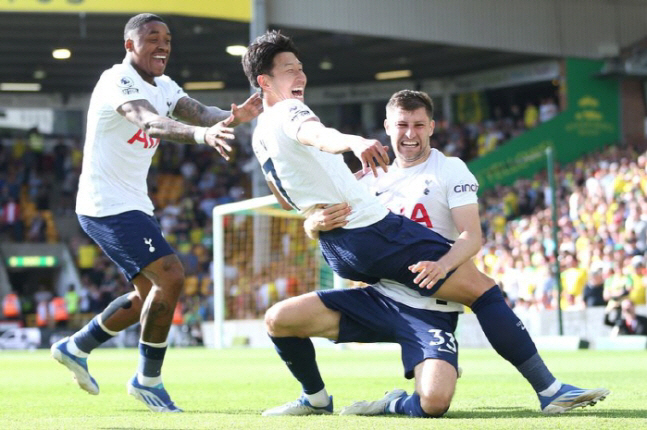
(261,255)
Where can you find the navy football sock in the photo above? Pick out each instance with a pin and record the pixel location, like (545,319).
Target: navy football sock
(507,334)
(410,406)
(90,336)
(151,359)
(299,355)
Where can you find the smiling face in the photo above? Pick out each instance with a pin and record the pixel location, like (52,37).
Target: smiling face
(149,48)
(286,80)
(410,133)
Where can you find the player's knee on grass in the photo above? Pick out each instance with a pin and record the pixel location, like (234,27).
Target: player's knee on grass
(435,404)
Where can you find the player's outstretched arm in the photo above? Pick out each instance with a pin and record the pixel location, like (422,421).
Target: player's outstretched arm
(193,112)
(143,115)
(369,151)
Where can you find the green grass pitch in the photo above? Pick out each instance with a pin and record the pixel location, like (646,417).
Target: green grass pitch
(228,390)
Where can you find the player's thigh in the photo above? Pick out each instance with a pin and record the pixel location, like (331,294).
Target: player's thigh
(465,285)
(302,316)
(435,383)
(166,272)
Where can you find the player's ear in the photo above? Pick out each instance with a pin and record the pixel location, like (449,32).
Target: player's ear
(262,82)
(433,125)
(387,128)
(128,44)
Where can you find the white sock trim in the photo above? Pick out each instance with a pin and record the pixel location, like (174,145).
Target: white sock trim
(320,399)
(104,328)
(149,381)
(74,350)
(391,407)
(552,389)
(155,345)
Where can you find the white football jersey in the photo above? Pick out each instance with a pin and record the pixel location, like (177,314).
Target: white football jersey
(425,193)
(117,154)
(304,175)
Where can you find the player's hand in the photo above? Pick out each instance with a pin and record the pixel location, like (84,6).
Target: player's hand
(250,109)
(371,153)
(360,174)
(429,272)
(218,134)
(326,217)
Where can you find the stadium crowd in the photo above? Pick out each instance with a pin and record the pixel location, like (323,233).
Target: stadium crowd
(601,201)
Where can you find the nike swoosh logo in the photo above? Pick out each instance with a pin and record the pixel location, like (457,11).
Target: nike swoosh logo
(379,193)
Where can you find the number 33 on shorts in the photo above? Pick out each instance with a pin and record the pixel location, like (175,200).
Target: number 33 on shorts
(446,342)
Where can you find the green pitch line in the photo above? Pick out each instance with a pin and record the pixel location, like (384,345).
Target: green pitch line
(229,389)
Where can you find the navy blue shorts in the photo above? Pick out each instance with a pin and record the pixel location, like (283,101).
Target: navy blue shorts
(368,317)
(132,240)
(384,250)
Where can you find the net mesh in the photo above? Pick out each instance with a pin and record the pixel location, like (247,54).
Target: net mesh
(267,257)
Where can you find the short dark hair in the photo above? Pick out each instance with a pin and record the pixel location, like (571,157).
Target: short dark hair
(138,21)
(259,58)
(411,100)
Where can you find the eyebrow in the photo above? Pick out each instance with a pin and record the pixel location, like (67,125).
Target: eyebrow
(158,32)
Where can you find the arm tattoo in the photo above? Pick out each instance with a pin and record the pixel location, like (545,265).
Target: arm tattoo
(193,112)
(143,114)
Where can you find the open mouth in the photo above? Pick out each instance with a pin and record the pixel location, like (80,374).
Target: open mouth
(160,59)
(297,92)
(409,144)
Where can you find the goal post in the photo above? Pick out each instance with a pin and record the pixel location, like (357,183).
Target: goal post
(261,255)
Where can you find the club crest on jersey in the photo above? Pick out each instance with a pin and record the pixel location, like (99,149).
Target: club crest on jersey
(127,85)
(149,142)
(426,190)
(126,82)
(148,242)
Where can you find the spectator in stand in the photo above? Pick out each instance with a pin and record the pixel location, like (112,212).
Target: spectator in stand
(636,271)
(42,314)
(573,282)
(36,231)
(72,300)
(530,116)
(58,312)
(175,332)
(11,220)
(86,256)
(592,294)
(11,309)
(628,323)
(547,109)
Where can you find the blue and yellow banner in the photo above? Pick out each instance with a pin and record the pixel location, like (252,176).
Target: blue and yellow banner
(590,122)
(238,10)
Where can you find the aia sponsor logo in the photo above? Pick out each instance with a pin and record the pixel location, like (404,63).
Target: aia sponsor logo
(149,142)
(466,187)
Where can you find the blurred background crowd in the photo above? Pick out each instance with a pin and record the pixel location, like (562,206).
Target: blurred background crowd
(601,201)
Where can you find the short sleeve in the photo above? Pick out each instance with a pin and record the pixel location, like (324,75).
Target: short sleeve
(461,185)
(291,114)
(120,87)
